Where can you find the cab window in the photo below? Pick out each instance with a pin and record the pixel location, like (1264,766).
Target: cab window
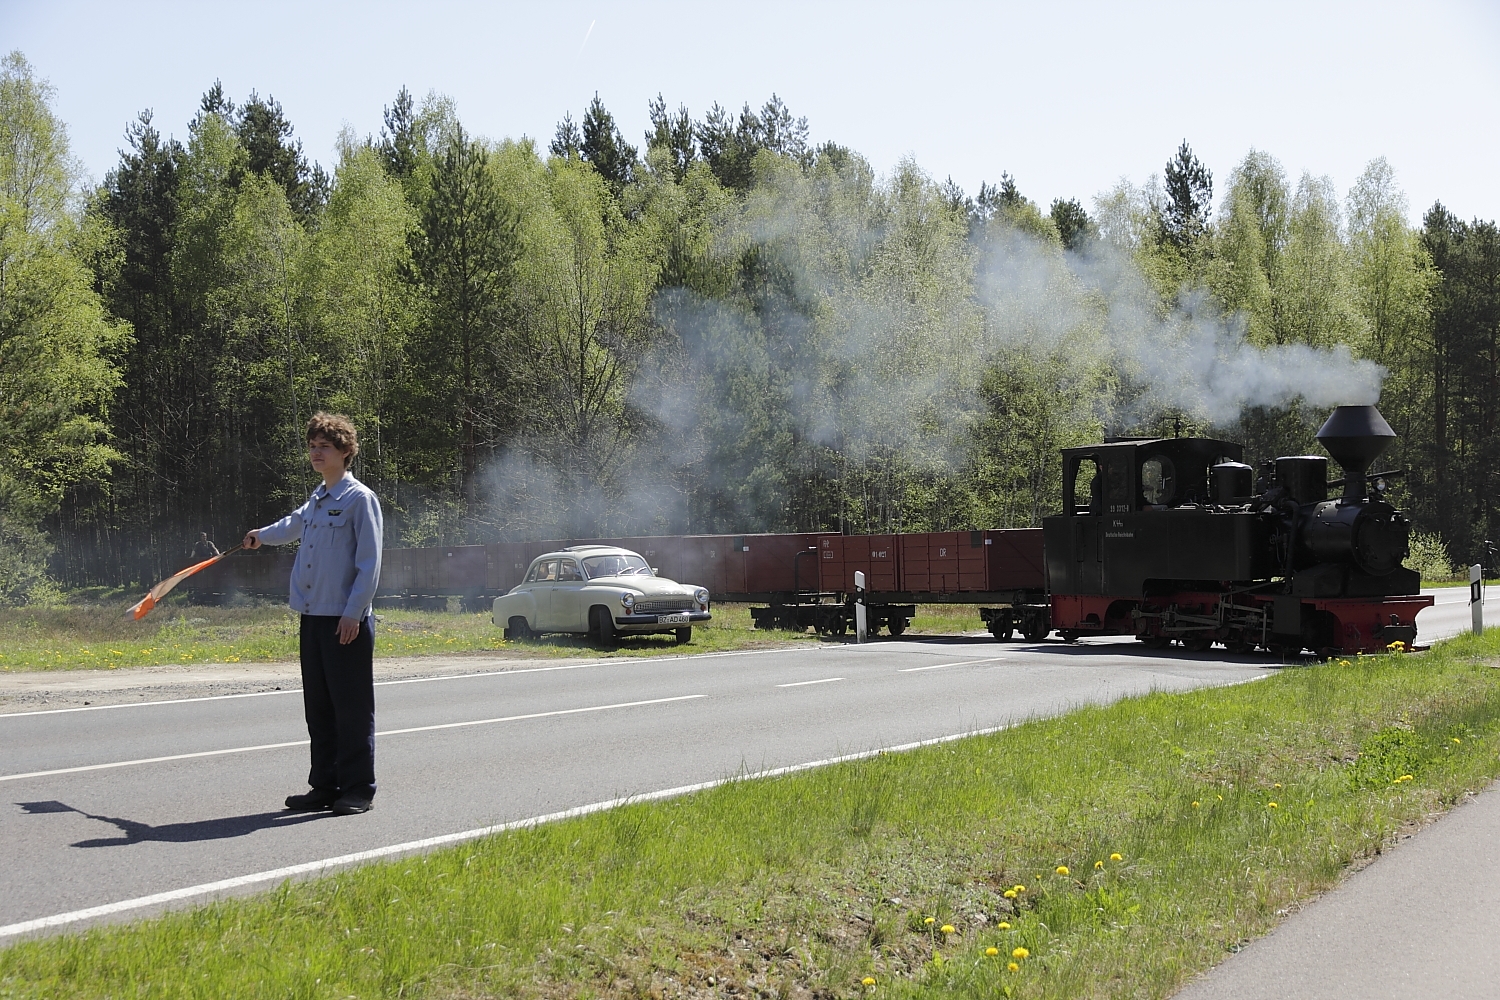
(569,570)
(1086,490)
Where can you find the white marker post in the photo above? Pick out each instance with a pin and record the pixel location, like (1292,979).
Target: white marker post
(1476,596)
(861,624)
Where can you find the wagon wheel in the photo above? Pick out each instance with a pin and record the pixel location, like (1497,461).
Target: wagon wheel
(1036,633)
(897,625)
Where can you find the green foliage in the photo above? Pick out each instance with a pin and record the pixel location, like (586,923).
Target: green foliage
(743,330)
(57,346)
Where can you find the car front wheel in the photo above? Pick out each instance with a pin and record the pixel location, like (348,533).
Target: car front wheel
(684,635)
(603,625)
(518,629)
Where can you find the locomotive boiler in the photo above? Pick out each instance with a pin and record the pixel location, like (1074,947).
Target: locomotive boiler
(1177,539)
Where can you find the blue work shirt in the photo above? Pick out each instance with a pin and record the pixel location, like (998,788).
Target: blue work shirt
(338,563)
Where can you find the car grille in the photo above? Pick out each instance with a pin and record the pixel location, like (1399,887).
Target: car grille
(659,604)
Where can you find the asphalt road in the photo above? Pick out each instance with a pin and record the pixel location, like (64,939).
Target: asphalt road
(116,811)
(202,801)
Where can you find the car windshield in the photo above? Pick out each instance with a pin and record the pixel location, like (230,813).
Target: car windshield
(615,565)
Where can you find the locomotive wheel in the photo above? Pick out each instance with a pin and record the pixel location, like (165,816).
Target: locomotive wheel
(1068,635)
(897,625)
(1197,643)
(1002,633)
(1239,647)
(1155,641)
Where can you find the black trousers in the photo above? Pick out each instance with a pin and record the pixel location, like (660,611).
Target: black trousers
(338,696)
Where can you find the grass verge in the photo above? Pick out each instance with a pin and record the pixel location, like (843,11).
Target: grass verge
(1112,852)
(101,637)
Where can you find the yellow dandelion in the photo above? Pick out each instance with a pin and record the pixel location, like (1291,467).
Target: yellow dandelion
(1010,894)
(1004,926)
(930,921)
(1272,805)
(1195,803)
(992,952)
(1277,785)
(1098,864)
(1020,888)
(1220,798)
(1020,953)
(1456,739)
(868,981)
(1115,857)
(946,929)
(1013,967)
(1062,869)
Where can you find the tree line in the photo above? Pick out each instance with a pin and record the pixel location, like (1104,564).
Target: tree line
(724,328)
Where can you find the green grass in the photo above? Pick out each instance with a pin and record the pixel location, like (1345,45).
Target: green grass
(805,884)
(99,636)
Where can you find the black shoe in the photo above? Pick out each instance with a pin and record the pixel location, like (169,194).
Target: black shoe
(318,798)
(352,805)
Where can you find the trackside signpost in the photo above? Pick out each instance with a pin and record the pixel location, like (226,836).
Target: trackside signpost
(1476,596)
(861,625)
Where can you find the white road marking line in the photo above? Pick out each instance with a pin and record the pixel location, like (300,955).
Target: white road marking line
(614,660)
(797,684)
(276,874)
(301,743)
(955,663)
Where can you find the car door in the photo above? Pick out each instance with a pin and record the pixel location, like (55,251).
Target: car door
(563,603)
(540,581)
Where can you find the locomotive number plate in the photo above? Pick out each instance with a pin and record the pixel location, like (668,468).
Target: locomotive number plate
(671,619)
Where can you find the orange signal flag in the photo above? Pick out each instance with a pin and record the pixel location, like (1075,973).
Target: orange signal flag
(143,607)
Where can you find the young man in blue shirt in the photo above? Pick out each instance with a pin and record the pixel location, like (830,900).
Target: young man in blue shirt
(333,588)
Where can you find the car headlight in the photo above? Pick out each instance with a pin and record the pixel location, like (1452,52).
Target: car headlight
(701,596)
(627,601)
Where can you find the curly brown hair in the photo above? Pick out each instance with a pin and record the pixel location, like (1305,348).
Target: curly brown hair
(338,430)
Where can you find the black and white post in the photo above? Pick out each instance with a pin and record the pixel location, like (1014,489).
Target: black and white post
(861,624)
(1476,596)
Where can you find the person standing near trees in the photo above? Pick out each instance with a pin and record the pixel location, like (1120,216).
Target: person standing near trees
(204,548)
(333,589)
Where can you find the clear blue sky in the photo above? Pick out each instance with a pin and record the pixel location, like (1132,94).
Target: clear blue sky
(1067,97)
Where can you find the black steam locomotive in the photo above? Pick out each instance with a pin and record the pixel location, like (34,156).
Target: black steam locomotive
(1177,539)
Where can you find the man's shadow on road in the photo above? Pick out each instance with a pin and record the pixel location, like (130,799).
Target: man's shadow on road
(177,833)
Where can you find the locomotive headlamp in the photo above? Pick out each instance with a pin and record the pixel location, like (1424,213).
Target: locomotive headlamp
(701,596)
(627,601)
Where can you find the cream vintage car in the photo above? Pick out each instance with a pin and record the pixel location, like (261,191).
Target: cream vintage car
(600,591)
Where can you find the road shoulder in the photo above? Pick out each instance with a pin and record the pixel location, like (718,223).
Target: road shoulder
(1421,920)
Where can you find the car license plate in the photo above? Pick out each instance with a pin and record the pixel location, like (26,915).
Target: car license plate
(671,619)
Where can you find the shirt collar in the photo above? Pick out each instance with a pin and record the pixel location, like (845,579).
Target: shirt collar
(341,487)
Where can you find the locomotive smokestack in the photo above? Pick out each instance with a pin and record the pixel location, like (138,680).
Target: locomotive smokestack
(1355,436)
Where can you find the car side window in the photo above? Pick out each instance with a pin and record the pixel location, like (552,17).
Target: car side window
(569,571)
(543,571)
